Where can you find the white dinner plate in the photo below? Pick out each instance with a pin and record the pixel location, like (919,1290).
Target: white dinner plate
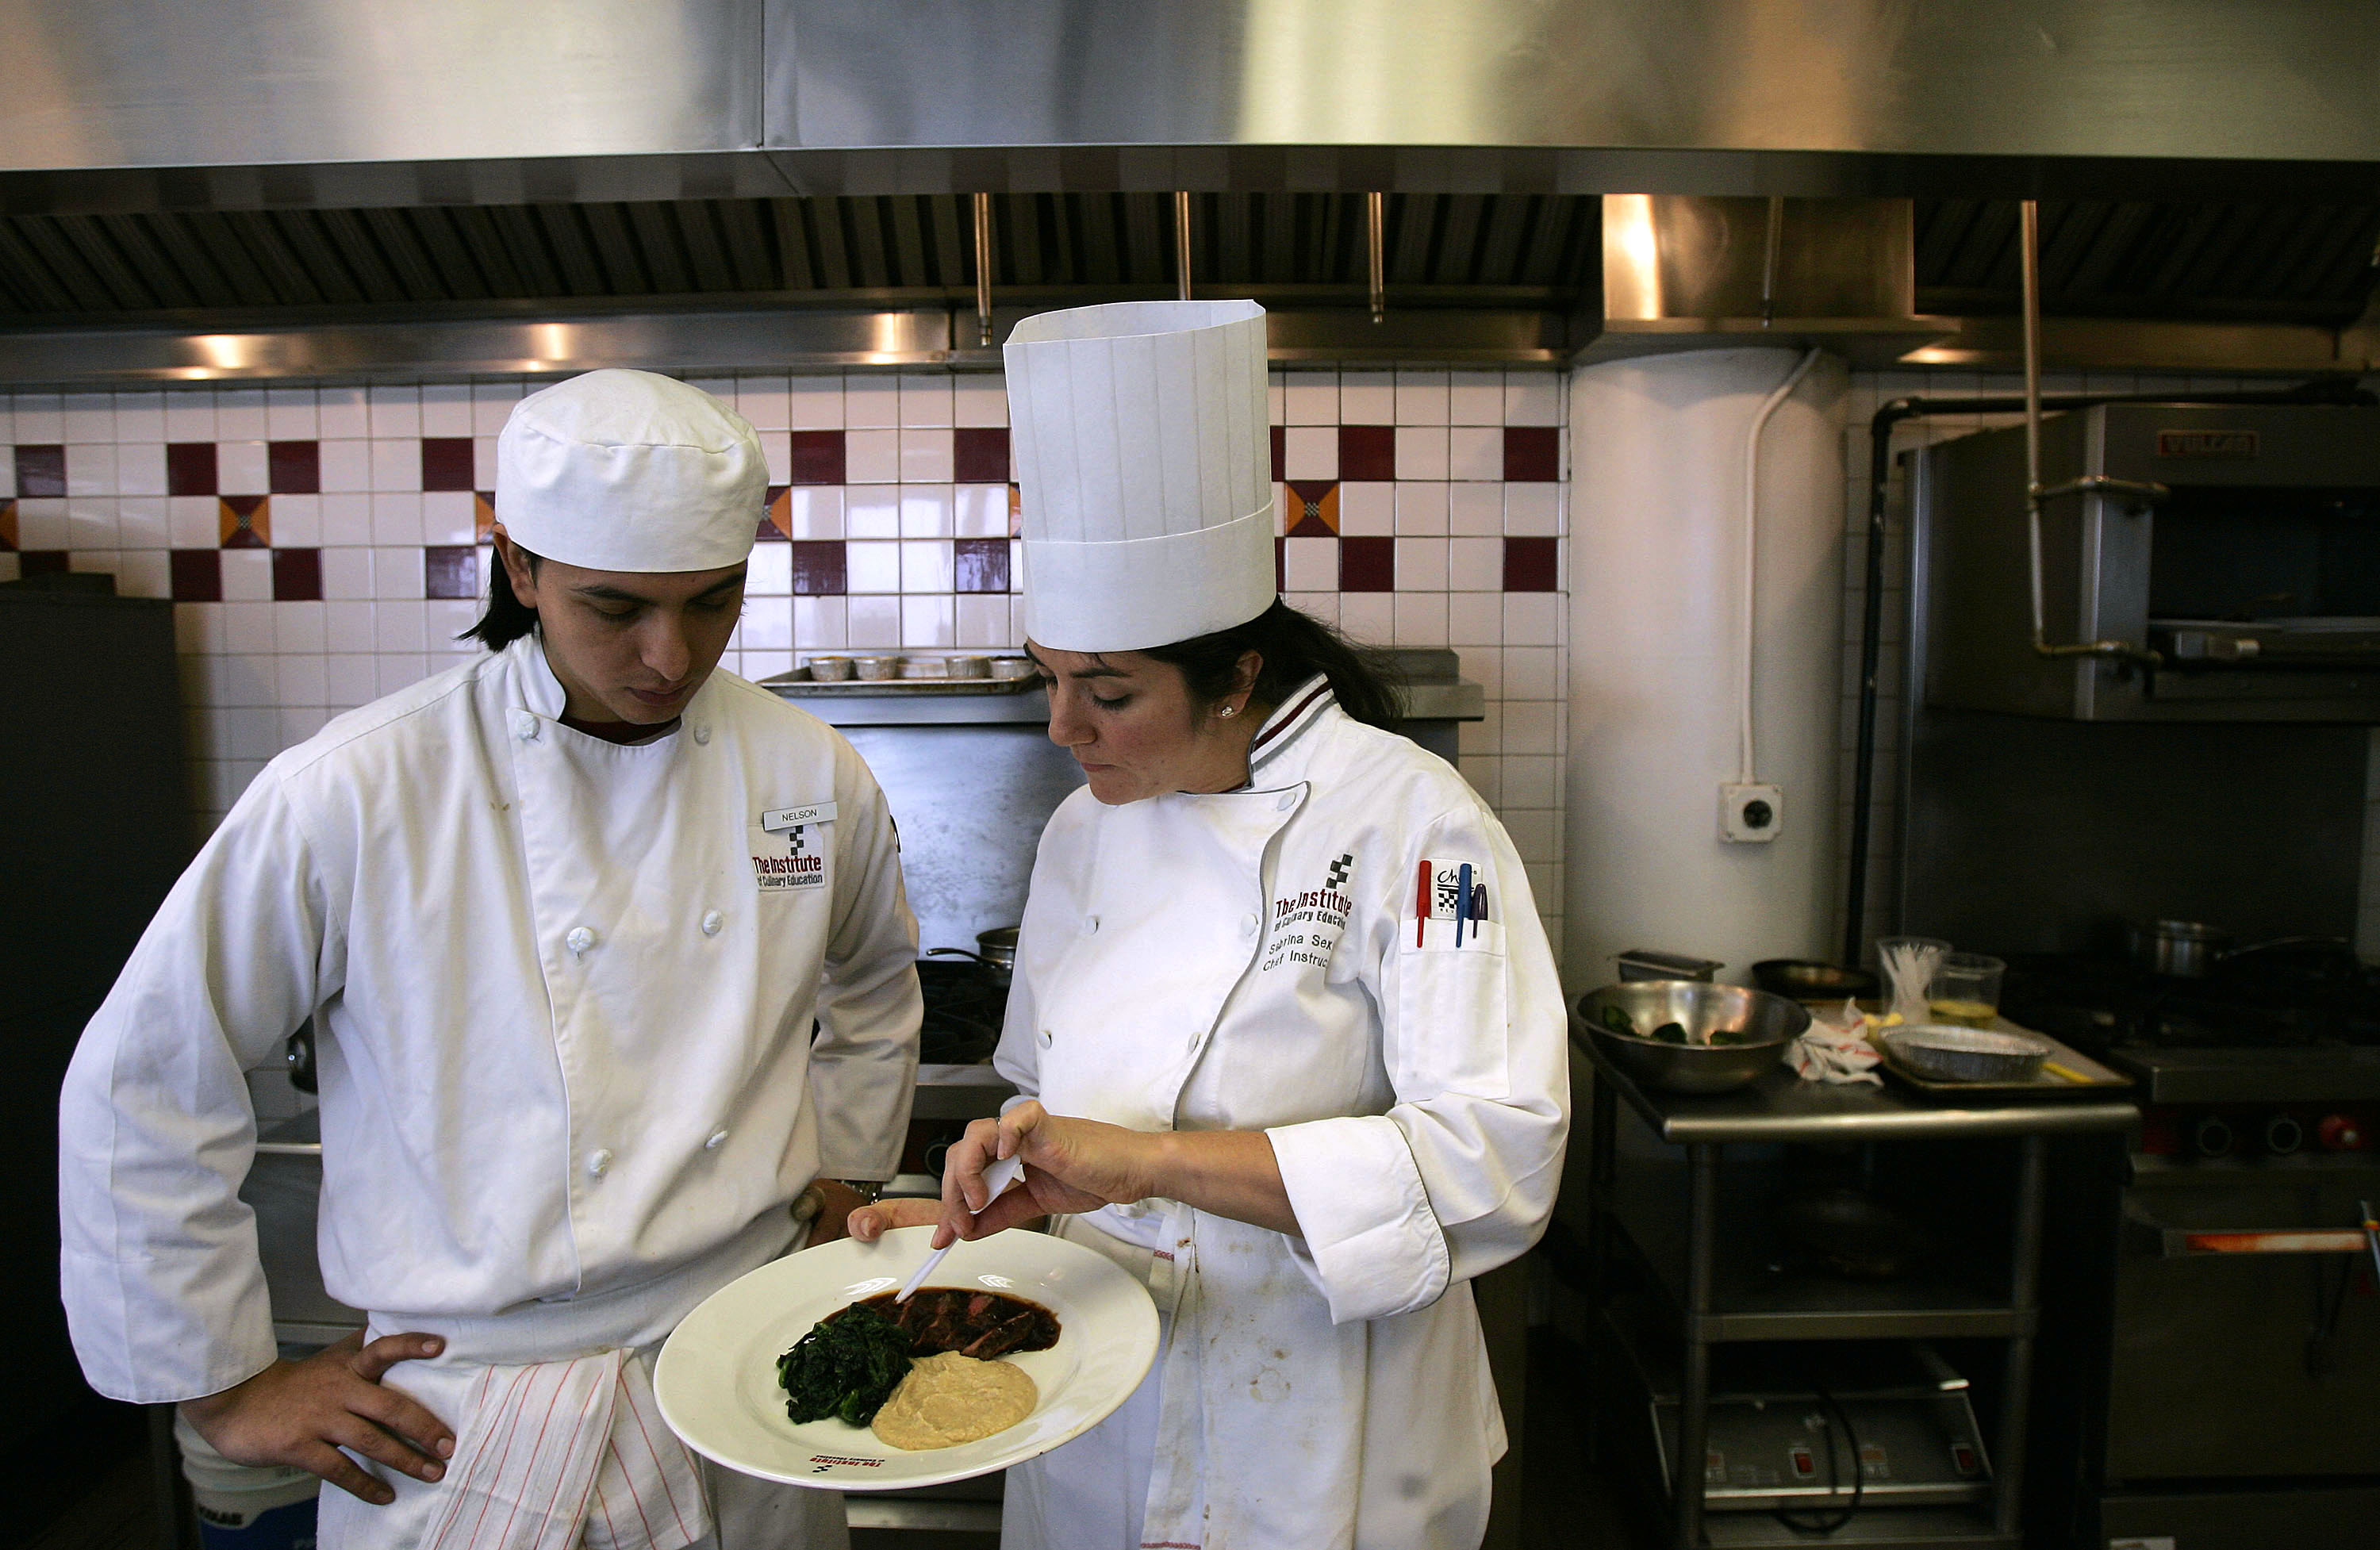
(717,1376)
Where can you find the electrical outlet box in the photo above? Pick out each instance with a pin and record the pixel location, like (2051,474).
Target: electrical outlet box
(1751,814)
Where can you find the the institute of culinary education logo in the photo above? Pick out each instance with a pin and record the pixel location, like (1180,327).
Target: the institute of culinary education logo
(1305,927)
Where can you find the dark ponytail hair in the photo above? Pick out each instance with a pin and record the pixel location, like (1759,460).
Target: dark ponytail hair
(1295,647)
(507,618)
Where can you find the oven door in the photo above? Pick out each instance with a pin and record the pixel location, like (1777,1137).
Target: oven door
(2246,1334)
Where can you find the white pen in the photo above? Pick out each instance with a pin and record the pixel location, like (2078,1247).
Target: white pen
(996,1179)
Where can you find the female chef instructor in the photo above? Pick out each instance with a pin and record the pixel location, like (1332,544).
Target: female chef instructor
(562,917)
(1286,1027)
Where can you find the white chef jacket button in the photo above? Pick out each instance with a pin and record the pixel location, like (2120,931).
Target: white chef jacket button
(712,921)
(1247,926)
(599,1161)
(1046,1037)
(1090,925)
(702,735)
(525,725)
(579,940)
(1288,800)
(715,1141)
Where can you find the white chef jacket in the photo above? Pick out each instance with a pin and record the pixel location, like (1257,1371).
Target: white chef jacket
(563,991)
(1273,959)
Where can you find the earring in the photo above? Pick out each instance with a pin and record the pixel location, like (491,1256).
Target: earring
(1228,710)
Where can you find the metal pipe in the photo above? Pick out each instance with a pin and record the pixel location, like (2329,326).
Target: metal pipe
(1686,1476)
(983,270)
(2035,495)
(1768,260)
(1182,243)
(1376,219)
(2024,1301)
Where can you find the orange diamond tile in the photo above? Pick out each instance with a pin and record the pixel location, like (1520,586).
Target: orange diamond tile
(246,521)
(1313,510)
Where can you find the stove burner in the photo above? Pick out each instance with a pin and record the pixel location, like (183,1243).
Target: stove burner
(965,1009)
(2315,995)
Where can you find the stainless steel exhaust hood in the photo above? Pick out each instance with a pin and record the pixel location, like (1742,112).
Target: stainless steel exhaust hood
(256,186)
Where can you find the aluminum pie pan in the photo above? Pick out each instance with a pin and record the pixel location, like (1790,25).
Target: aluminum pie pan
(1949,1054)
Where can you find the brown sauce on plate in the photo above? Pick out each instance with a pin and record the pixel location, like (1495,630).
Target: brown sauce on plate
(978,1324)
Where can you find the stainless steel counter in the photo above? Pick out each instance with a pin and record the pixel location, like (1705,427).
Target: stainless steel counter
(1781,1106)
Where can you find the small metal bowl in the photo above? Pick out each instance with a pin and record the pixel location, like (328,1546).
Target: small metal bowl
(1008,668)
(1768,1023)
(966,666)
(877,667)
(827,669)
(1947,1054)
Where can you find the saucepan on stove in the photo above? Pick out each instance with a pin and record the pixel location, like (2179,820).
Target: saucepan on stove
(995,949)
(2191,949)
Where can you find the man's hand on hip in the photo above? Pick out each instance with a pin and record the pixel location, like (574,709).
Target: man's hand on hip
(303,1412)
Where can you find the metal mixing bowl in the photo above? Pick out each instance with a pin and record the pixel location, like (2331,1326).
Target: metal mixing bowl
(1967,1054)
(1771,1023)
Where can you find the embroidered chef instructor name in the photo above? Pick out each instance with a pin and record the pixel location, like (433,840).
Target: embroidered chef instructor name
(1305,927)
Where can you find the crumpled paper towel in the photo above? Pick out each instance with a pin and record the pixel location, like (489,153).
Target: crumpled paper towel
(1836,1052)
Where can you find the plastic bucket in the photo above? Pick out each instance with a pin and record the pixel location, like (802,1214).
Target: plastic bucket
(243,1509)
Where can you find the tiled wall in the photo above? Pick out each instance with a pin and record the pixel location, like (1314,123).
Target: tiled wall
(324,545)
(1870,390)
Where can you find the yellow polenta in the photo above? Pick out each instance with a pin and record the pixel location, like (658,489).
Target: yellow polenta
(948,1399)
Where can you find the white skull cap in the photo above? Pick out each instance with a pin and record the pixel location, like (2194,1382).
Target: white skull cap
(629,471)
(1144,471)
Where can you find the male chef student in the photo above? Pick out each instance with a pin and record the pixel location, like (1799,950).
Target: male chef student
(562,917)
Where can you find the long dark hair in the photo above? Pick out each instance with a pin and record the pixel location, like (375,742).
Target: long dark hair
(1295,647)
(507,618)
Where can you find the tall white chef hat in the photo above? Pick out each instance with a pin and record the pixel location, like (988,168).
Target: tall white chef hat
(1144,471)
(627,471)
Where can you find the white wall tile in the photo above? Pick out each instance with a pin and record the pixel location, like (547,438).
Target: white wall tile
(346,466)
(768,624)
(1421,398)
(1475,510)
(980,511)
(448,516)
(872,566)
(982,621)
(140,417)
(814,403)
(1474,619)
(1421,565)
(1533,510)
(929,621)
(395,465)
(1421,507)
(1370,617)
(1476,564)
(141,468)
(872,511)
(396,520)
(396,412)
(770,572)
(820,623)
(764,403)
(1475,452)
(91,523)
(1310,398)
(446,409)
(42,523)
(241,469)
(247,577)
(1367,398)
(290,414)
(926,456)
(875,621)
(491,404)
(1475,398)
(190,417)
(90,468)
(1310,452)
(1420,618)
(1310,564)
(925,400)
(871,403)
(1367,508)
(872,456)
(979,401)
(1533,398)
(926,565)
(143,573)
(1421,452)
(40,420)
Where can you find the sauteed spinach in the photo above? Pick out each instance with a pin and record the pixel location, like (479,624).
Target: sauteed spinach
(847,1366)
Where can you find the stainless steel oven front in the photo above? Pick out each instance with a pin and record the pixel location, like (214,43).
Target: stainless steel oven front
(2234,549)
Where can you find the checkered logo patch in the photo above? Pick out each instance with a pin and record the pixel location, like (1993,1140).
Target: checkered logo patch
(1341,869)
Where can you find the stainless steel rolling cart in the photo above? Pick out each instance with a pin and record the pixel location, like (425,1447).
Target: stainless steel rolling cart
(1714,1304)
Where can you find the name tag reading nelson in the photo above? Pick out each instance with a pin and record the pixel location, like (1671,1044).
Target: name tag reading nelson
(788,851)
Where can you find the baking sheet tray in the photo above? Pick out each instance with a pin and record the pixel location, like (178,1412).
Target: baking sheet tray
(2101,1079)
(795,685)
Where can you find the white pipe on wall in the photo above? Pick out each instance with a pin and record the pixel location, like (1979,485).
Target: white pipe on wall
(1657,578)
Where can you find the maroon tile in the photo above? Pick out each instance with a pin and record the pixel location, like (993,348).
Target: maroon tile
(198,575)
(297,574)
(1367,564)
(446,463)
(450,569)
(42,561)
(294,468)
(818,459)
(982,565)
(190,467)
(42,471)
(1531,565)
(979,455)
(1368,452)
(818,563)
(1280,565)
(1532,453)
(1279,452)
